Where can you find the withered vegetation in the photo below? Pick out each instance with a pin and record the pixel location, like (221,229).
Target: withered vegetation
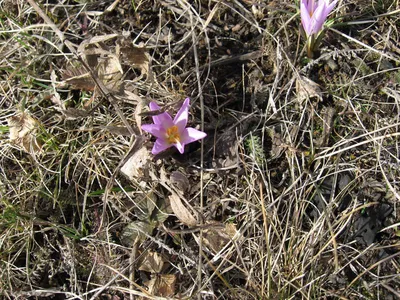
(294,194)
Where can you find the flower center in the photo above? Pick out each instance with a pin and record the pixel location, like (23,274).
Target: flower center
(173,135)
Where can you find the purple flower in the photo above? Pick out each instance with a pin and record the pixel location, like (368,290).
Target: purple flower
(314,14)
(172,132)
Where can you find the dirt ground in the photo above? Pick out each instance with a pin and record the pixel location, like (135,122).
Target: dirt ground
(293,194)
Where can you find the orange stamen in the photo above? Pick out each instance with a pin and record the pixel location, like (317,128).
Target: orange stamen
(173,135)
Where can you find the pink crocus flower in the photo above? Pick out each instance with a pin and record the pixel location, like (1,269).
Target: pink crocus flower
(172,132)
(314,14)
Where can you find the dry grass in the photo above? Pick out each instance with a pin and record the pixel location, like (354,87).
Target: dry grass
(294,192)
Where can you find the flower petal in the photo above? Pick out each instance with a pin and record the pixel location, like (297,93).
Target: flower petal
(154,106)
(155,129)
(159,146)
(181,117)
(164,120)
(318,19)
(191,135)
(305,18)
(309,4)
(180,146)
(330,7)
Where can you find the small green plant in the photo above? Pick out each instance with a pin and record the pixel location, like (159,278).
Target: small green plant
(254,146)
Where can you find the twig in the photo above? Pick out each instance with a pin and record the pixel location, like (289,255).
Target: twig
(97,81)
(393,291)
(106,94)
(47,20)
(132,260)
(196,60)
(366,46)
(226,61)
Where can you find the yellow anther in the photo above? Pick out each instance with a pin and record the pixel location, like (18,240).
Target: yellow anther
(173,135)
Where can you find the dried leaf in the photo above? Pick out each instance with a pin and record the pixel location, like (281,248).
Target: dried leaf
(306,88)
(136,57)
(56,98)
(162,285)
(227,145)
(131,97)
(138,164)
(117,130)
(149,208)
(78,78)
(110,71)
(181,212)
(278,143)
(180,181)
(73,113)
(23,131)
(99,38)
(145,205)
(216,238)
(152,262)
(328,114)
(103,63)
(162,211)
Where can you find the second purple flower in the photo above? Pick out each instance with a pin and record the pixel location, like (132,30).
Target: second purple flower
(314,14)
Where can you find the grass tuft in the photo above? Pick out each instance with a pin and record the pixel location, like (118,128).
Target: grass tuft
(293,194)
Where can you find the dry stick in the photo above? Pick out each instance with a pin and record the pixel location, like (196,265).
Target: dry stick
(366,46)
(393,291)
(47,20)
(106,94)
(112,280)
(370,268)
(226,61)
(97,81)
(135,146)
(265,223)
(132,260)
(322,155)
(196,60)
(392,189)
